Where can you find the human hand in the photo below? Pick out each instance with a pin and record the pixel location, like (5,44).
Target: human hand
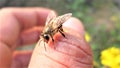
(18,27)
(73,52)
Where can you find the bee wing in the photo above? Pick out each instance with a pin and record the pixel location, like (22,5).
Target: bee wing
(61,19)
(50,17)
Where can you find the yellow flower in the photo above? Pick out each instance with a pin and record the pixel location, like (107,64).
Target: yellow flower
(114,18)
(111,57)
(87,37)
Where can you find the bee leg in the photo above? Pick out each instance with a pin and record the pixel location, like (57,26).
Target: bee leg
(61,29)
(61,32)
(52,38)
(44,46)
(40,42)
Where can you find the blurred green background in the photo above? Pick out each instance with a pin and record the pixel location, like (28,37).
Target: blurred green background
(101,19)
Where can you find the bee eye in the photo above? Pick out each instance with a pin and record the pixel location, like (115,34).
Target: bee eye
(46,37)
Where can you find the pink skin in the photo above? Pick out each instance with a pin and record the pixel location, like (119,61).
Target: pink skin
(69,52)
(18,26)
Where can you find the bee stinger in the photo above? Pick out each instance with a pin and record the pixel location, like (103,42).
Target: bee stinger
(53,25)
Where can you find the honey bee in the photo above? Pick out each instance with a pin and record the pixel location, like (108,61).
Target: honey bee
(53,25)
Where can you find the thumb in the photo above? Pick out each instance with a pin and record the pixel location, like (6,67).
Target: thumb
(69,52)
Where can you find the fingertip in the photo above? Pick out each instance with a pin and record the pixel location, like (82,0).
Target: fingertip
(64,49)
(75,24)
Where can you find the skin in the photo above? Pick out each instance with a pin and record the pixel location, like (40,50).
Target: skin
(19,26)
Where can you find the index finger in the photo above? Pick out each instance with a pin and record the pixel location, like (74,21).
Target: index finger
(15,20)
(11,22)
(28,17)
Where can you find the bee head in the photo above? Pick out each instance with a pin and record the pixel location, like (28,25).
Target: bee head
(45,37)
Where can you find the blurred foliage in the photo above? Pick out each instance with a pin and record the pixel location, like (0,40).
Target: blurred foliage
(80,9)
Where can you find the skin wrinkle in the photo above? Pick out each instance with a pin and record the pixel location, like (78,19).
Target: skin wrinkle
(16,18)
(9,44)
(48,55)
(70,42)
(78,65)
(1,41)
(76,57)
(4,55)
(69,37)
(82,42)
(55,60)
(20,41)
(20,28)
(12,15)
(76,45)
